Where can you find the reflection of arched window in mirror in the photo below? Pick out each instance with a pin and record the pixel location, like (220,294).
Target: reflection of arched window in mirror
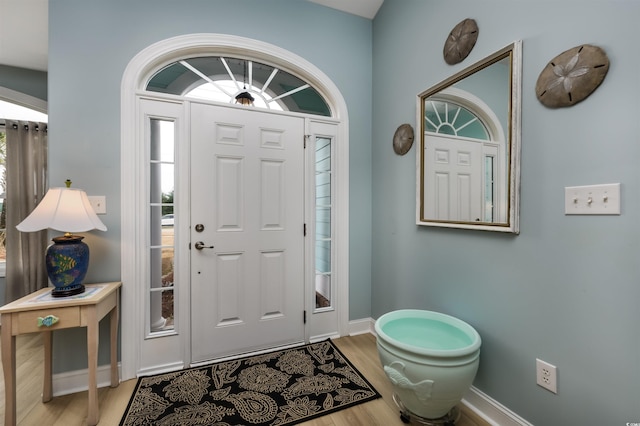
(465,140)
(468,160)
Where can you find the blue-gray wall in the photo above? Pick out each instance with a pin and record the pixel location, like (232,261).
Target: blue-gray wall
(567,288)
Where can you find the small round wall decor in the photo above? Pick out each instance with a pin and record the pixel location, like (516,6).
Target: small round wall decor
(460,42)
(572,76)
(403,139)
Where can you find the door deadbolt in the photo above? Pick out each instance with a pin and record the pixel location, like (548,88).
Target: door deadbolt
(199,227)
(200,245)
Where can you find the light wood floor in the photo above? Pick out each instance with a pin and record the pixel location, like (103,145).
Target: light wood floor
(71,410)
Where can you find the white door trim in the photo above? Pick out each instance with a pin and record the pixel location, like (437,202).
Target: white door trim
(132,170)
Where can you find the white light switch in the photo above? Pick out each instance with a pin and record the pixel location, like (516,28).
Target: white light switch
(592,199)
(99,203)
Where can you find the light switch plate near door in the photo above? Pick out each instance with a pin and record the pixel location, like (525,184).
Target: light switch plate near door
(99,203)
(592,199)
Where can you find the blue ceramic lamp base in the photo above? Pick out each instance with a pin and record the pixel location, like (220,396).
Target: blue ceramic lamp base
(67,261)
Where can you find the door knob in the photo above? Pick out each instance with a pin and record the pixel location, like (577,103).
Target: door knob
(200,245)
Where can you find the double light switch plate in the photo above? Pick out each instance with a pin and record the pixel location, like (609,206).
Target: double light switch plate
(592,199)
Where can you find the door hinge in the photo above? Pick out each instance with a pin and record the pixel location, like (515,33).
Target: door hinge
(304,317)
(306,137)
(304,230)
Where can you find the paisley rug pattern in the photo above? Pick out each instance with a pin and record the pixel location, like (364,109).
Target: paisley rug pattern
(284,387)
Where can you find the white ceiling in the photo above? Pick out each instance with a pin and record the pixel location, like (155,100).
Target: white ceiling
(24,33)
(364,8)
(24,30)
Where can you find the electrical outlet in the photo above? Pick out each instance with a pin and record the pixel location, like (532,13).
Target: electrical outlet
(546,375)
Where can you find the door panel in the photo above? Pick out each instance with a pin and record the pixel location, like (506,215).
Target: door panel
(453,179)
(247,190)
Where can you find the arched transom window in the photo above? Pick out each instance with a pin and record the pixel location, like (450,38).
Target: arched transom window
(227,79)
(449,118)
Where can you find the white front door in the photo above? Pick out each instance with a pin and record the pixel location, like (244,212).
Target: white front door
(453,179)
(247,240)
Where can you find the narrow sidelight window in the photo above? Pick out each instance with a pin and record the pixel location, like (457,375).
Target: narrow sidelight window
(162,220)
(323,237)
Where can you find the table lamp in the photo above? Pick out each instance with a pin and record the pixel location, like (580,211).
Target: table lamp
(67,259)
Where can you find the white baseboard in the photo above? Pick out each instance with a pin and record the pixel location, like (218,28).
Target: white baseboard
(323,337)
(161,369)
(78,380)
(491,410)
(361,326)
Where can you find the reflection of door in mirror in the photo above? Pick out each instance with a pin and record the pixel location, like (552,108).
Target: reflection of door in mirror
(465,157)
(468,161)
(453,181)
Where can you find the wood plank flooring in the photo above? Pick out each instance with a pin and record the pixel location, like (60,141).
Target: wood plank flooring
(71,410)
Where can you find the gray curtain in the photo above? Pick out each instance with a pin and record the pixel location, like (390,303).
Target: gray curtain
(26,185)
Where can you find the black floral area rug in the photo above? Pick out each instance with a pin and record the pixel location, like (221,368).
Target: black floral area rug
(285,387)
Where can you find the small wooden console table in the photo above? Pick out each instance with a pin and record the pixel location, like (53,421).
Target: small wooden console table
(40,312)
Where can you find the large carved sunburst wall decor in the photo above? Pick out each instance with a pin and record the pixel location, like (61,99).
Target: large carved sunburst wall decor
(460,41)
(572,76)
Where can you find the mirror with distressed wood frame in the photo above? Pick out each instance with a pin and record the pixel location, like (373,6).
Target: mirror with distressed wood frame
(468,159)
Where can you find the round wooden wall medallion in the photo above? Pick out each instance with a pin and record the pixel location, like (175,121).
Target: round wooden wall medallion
(403,139)
(460,42)
(572,76)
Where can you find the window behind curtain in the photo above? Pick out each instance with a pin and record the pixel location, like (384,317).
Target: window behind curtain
(10,111)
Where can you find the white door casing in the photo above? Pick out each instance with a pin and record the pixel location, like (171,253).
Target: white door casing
(173,354)
(247,193)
